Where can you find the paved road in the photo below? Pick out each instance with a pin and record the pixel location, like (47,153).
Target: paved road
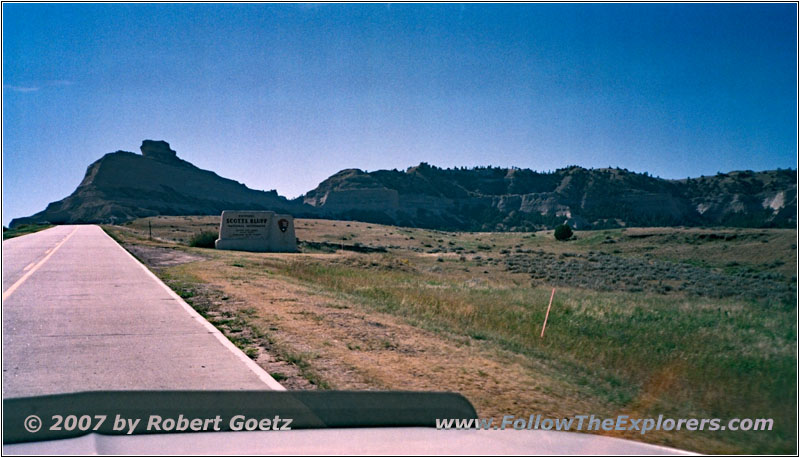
(80,314)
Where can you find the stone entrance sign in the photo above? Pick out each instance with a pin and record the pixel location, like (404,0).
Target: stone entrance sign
(256,231)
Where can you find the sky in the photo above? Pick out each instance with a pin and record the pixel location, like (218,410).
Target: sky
(281,96)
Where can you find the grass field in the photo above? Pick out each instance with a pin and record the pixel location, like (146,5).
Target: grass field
(24,229)
(685,323)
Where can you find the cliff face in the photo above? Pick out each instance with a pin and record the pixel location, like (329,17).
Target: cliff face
(515,199)
(121,186)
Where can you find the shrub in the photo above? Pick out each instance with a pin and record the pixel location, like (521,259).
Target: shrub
(251,352)
(278,376)
(203,239)
(563,232)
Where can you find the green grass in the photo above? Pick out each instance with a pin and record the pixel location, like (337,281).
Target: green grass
(278,376)
(24,230)
(302,361)
(725,358)
(251,352)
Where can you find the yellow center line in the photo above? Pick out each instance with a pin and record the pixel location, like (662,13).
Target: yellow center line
(33,269)
(28,266)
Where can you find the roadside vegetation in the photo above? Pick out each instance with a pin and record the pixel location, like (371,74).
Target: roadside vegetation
(23,230)
(694,323)
(203,239)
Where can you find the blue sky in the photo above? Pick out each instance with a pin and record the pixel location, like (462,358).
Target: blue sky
(282,96)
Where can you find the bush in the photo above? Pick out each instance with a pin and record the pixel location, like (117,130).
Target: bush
(203,239)
(563,232)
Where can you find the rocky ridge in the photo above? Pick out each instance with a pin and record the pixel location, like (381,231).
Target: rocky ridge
(121,186)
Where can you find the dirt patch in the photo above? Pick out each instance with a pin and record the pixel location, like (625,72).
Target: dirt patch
(355,349)
(159,257)
(328,247)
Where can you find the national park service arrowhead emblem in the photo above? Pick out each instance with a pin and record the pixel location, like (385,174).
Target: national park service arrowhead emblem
(283,224)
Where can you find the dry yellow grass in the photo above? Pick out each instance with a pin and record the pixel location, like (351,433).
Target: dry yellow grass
(433,314)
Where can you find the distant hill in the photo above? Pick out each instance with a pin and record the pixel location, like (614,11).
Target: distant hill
(121,186)
(519,199)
